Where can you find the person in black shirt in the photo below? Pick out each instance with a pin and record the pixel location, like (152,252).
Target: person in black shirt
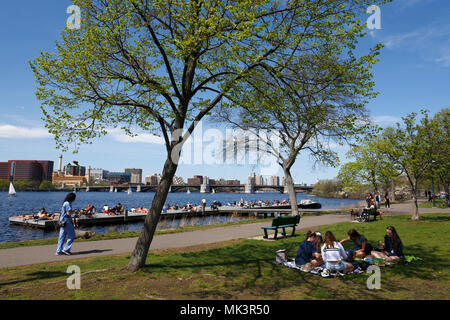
(392,245)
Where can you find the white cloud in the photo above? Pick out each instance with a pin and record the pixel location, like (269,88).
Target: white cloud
(431,43)
(120,136)
(386,119)
(16,132)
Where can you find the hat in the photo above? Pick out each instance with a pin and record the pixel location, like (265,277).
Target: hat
(318,234)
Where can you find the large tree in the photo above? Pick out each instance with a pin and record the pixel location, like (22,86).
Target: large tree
(369,166)
(309,105)
(407,149)
(162,65)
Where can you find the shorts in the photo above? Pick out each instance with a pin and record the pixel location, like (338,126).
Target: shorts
(339,266)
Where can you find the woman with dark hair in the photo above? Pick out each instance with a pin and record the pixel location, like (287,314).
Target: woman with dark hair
(362,248)
(66,228)
(392,245)
(333,254)
(307,256)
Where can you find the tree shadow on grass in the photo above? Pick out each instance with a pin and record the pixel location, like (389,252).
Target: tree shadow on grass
(429,218)
(38,275)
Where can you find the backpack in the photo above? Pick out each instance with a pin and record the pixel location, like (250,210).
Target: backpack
(281,256)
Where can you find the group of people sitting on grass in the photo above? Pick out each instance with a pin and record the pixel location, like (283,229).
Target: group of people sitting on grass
(333,256)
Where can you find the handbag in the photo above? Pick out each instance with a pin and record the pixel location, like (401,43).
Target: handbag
(62,224)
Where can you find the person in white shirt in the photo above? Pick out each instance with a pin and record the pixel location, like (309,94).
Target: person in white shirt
(333,254)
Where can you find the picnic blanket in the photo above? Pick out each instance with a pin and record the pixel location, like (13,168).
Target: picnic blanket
(360,265)
(319,270)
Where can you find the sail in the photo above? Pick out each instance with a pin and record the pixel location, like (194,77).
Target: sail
(12,191)
(188,191)
(129,190)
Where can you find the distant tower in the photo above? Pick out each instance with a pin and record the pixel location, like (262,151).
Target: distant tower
(89,175)
(60,165)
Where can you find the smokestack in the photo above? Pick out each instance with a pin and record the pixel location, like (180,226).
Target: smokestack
(60,165)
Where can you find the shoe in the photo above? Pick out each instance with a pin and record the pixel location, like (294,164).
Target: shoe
(67,253)
(58,254)
(325,273)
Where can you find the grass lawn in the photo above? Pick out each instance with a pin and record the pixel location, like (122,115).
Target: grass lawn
(440,203)
(244,269)
(132,234)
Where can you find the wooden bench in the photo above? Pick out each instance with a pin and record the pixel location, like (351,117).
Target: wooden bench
(283,223)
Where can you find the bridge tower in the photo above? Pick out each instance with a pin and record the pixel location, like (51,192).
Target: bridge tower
(205,187)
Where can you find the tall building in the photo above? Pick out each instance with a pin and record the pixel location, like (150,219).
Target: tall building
(98,175)
(72,174)
(26,170)
(251,180)
(74,169)
(119,177)
(177,181)
(259,180)
(196,180)
(153,180)
(136,175)
(273,181)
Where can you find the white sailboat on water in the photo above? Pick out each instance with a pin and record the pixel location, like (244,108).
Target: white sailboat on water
(188,191)
(12,191)
(213,191)
(129,190)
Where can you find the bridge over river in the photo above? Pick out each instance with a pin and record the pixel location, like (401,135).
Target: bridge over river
(243,188)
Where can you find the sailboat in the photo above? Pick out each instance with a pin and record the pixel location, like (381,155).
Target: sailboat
(115,189)
(75,189)
(12,191)
(213,191)
(188,191)
(129,190)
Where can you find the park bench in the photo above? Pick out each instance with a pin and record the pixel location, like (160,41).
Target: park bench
(282,223)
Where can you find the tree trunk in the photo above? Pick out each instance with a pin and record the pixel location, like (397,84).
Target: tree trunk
(140,251)
(292,194)
(415,215)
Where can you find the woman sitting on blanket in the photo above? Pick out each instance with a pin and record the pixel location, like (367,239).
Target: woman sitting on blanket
(307,255)
(392,245)
(333,254)
(362,248)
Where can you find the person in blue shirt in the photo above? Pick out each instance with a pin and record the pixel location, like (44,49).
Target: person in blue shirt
(67,230)
(307,250)
(392,245)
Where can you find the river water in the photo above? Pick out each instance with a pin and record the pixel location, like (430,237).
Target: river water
(27,202)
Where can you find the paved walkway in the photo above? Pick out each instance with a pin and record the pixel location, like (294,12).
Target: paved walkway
(43,254)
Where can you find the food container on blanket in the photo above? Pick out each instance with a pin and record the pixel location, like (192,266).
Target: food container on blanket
(281,256)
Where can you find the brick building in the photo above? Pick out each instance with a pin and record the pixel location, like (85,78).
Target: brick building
(26,170)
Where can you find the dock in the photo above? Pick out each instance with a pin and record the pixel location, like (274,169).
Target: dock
(131,217)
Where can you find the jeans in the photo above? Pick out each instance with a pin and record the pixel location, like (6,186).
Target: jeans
(69,231)
(335,266)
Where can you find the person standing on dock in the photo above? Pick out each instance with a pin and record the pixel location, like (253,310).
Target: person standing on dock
(66,228)
(203,205)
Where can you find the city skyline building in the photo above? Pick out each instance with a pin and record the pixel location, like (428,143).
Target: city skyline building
(26,170)
(136,175)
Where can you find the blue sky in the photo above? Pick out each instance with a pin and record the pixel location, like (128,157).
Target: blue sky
(413,73)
